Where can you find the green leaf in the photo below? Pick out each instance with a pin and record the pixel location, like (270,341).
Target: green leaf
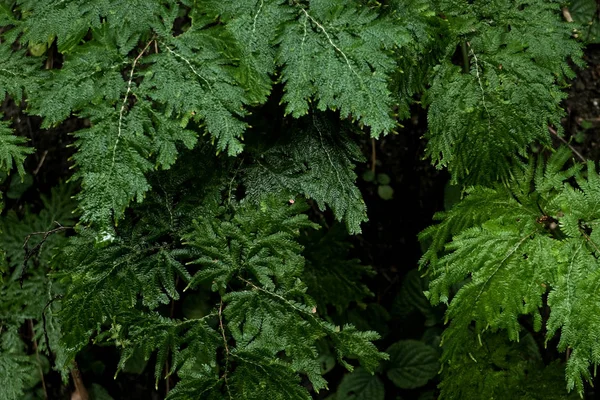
(385,192)
(368,176)
(411,296)
(360,385)
(97,392)
(383,179)
(19,185)
(412,364)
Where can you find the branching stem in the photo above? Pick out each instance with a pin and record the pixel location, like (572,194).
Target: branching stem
(562,139)
(36,249)
(481,86)
(227,353)
(256,16)
(124,104)
(189,64)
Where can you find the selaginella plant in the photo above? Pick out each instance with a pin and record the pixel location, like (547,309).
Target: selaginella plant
(207,127)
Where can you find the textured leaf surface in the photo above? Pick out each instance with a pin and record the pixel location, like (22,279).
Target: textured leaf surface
(316,160)
(497,368)
(340,54)
(360,385)
(412,363)
(508,90)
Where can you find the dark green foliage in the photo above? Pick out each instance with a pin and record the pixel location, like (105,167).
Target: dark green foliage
(247,252)
(412,364)
(585,12)
(317,160)
(497,368)
(410,298)
(360,385)
(505,94)
(327,264)
(23,305)
(195,245)
(16,368)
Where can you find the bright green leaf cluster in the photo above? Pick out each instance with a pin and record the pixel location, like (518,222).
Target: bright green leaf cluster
(511,246)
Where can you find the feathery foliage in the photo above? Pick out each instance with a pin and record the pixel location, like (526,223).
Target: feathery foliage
(506,90)
(12,153)
(249,255)
(27,294)
(513,244)
(317,160)
(203,131)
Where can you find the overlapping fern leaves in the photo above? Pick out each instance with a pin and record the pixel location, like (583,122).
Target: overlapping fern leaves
(504,91)
(27,294)
(142,103)
(146,87)
(163,85)
(513,244)
(316,158)
(261,330)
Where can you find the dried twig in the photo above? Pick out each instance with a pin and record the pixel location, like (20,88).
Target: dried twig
(562,139)
(46,338)
(37,247)
(37,169)
(567,14)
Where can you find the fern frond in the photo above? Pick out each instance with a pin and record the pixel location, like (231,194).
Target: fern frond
(18,74)
(515,54)
(341,55)
(498,368)
(192,78)
(256,241)
(512,245)
(254,25)
(16,368)
(315,159)
(328,266)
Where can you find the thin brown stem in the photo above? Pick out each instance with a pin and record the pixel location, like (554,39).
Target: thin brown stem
(373,156)
(80,389)
(37,247)
(168,378)
(37,169)
(567,14)
(562,139)
(589,240)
